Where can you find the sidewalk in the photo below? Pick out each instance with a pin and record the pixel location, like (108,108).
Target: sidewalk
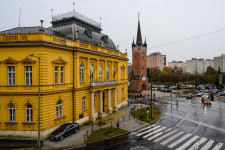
(129,124)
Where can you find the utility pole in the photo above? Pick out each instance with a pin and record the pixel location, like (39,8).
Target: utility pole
(151,97)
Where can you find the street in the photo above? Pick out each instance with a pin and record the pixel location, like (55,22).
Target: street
(184,124)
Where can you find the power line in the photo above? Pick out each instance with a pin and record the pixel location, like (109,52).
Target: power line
(195,37)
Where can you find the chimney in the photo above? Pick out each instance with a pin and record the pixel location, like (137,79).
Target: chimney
(42,29)
(77,36)
(125,51)
(117,48)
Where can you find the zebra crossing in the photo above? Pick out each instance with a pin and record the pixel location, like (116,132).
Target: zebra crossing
(176,139)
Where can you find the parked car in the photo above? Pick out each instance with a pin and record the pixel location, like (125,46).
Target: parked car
(163,89)
(63,131)
(200,94)
(194,91)
(189,96)
(206,101)
(168,90)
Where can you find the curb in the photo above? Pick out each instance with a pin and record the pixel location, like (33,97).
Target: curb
(108,138)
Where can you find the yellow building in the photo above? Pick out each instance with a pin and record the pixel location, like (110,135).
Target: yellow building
(83,76)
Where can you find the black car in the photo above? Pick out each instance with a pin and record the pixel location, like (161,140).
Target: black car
(189,96)
(63,131)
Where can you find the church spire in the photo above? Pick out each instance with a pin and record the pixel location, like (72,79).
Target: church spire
(145,43)
(139,38)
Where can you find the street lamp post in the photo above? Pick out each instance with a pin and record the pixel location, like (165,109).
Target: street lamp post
(39,102)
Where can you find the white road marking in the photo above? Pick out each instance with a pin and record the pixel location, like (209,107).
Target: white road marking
(196,145)
(164,136)
(218,146)
(197,122)
(185,145)
(171,138)
(148,130)
(144,129)
(181,120)
(208,145)
(154,136)
(179,141)
(151,133)
(197,126)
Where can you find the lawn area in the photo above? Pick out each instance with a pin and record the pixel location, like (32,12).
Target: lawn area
(105,133)
(141,114)
(186,92)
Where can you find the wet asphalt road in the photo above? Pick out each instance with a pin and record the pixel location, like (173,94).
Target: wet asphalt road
(199,126)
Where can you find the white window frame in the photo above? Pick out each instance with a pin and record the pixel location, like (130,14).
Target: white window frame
(122,75)
(29,113)
(107,73)
(59,109)
(62,74)
(12,112)
(84,104)
(81,73)
(91,72)
(28,75)
(11,75)
(56,74)
(100,73)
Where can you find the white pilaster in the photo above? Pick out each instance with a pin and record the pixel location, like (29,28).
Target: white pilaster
(115,100)
(109,102)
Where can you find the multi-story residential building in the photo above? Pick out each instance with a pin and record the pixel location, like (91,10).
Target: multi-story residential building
(156,60)
(179,64)
(198,66)
(82,76)
(219,62)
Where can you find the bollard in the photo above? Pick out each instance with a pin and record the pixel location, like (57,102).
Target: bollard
(100,126)
(84,138)
(92,128)
(123,118)
(141,105)
(129,116)
(111,124)
(87,133)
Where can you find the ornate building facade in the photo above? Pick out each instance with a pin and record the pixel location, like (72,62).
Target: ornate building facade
(82,76)
(138,75)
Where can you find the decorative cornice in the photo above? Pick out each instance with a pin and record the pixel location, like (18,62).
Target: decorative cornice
(10,61)
(60,61)
(27,60)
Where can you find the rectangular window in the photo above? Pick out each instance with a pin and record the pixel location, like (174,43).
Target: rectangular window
(11,75)
(11,114)
(83,104)
(28,75)
(29,115)
(62,74)
(56,74)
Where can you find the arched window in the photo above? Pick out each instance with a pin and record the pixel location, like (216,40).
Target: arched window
(107,73)
(84,104)
(29,113)
(100,73)
(91,73)
(11,112)
(81,72)
(59,109)
(122,92)
(114,72)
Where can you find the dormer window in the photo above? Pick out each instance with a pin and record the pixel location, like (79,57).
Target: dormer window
(105,38)
(88,32)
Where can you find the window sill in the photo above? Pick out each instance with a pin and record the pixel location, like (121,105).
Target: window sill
(28,123)
(11,123)
(61,117)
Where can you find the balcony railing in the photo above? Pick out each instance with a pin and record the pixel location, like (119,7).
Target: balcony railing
(102,83)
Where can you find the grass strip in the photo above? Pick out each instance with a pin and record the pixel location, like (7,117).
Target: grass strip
(105,133)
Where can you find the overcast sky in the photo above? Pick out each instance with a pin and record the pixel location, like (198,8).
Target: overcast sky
(162,22)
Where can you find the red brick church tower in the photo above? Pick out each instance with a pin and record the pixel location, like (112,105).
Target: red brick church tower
(138,74)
